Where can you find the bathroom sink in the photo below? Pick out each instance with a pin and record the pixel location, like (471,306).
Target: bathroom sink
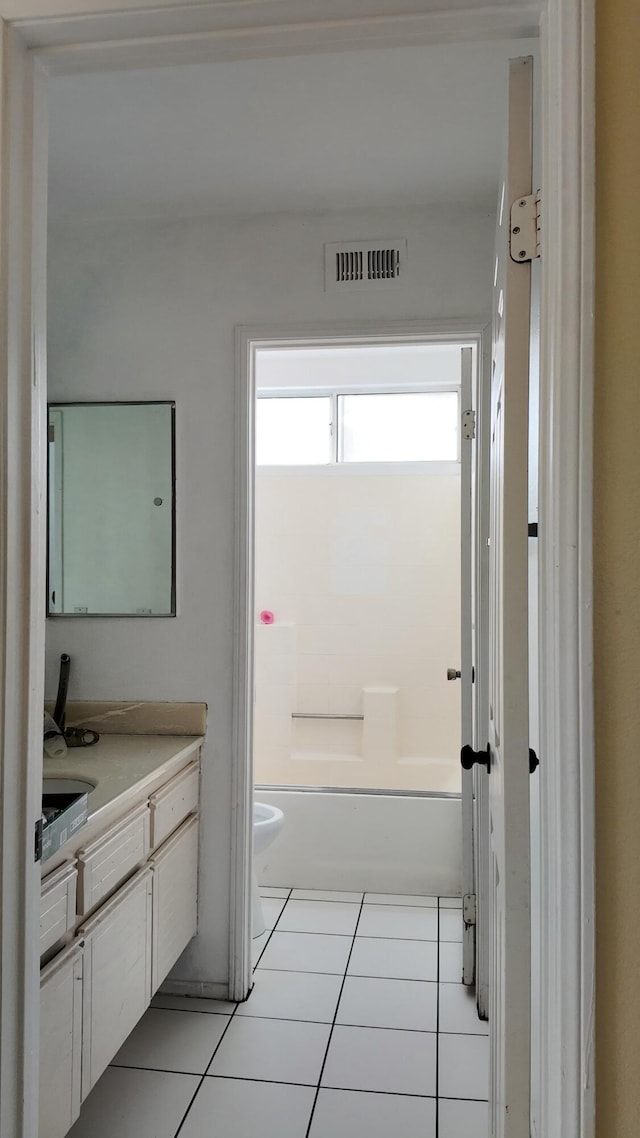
(67,786)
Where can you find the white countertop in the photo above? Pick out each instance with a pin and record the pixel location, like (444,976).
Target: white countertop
(125,770)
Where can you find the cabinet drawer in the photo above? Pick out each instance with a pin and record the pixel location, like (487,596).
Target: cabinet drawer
(173,803)
(117,974)
(112,858)
(60,1042)
(175,898)
(57,905)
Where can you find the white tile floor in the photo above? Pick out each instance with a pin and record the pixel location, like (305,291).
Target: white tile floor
(357,1025)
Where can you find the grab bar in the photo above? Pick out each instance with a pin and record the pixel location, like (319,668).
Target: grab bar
(322,715)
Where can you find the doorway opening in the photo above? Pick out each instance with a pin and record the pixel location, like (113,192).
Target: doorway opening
(357,568)
(358,557)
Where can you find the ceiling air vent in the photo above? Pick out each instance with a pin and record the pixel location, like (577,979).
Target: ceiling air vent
(364,264)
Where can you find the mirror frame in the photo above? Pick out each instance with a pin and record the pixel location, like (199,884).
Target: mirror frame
(119,615)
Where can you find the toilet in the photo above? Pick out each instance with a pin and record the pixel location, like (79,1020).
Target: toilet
(267,824)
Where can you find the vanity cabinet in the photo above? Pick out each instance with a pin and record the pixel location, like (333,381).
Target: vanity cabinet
(175,898)
(117,974)
(129,900)
(61,1042)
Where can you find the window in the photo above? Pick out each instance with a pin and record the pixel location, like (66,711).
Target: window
(293,431)
(408,427)
(416,426)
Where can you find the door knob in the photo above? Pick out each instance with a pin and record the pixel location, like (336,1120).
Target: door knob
(468,757)
(453,674)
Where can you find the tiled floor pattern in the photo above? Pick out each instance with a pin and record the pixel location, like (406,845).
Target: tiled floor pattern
(358,1025)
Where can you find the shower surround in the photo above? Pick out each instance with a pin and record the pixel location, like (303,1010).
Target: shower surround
(362,572)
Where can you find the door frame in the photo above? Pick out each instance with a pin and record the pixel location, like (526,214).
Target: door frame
(471,333)
(565,552)
(61,36)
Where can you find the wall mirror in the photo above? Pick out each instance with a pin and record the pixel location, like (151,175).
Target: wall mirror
(111,547)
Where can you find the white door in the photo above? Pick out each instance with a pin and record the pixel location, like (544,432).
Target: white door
(480,688)
(510,929)
(474,655)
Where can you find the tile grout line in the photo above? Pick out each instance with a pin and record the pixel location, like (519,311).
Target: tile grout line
(156,1070)
(373,904)
(286,1082)
(409,939)
(326,1087)
(335,1016)
(360,1026)
(369,976)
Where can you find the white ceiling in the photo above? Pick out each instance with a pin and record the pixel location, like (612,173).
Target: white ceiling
(399,126)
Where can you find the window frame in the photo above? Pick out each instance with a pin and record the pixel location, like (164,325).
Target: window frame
(336,462)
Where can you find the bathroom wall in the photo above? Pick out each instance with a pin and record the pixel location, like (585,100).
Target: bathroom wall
(362,571)
(148,311)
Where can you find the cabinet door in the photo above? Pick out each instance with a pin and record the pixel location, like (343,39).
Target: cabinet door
(57,905)
(103,864)
(117,974)
(60,1042)
(175,898)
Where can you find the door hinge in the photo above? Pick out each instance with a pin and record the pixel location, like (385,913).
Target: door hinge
(38,841)
(469,909)
(52,433)
(525,229)
(468,424)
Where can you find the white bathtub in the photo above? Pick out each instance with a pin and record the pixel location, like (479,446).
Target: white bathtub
(383,843)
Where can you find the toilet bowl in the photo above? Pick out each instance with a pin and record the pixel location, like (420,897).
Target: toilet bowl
(267,823)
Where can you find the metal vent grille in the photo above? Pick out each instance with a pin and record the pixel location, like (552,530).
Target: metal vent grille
(364,263)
